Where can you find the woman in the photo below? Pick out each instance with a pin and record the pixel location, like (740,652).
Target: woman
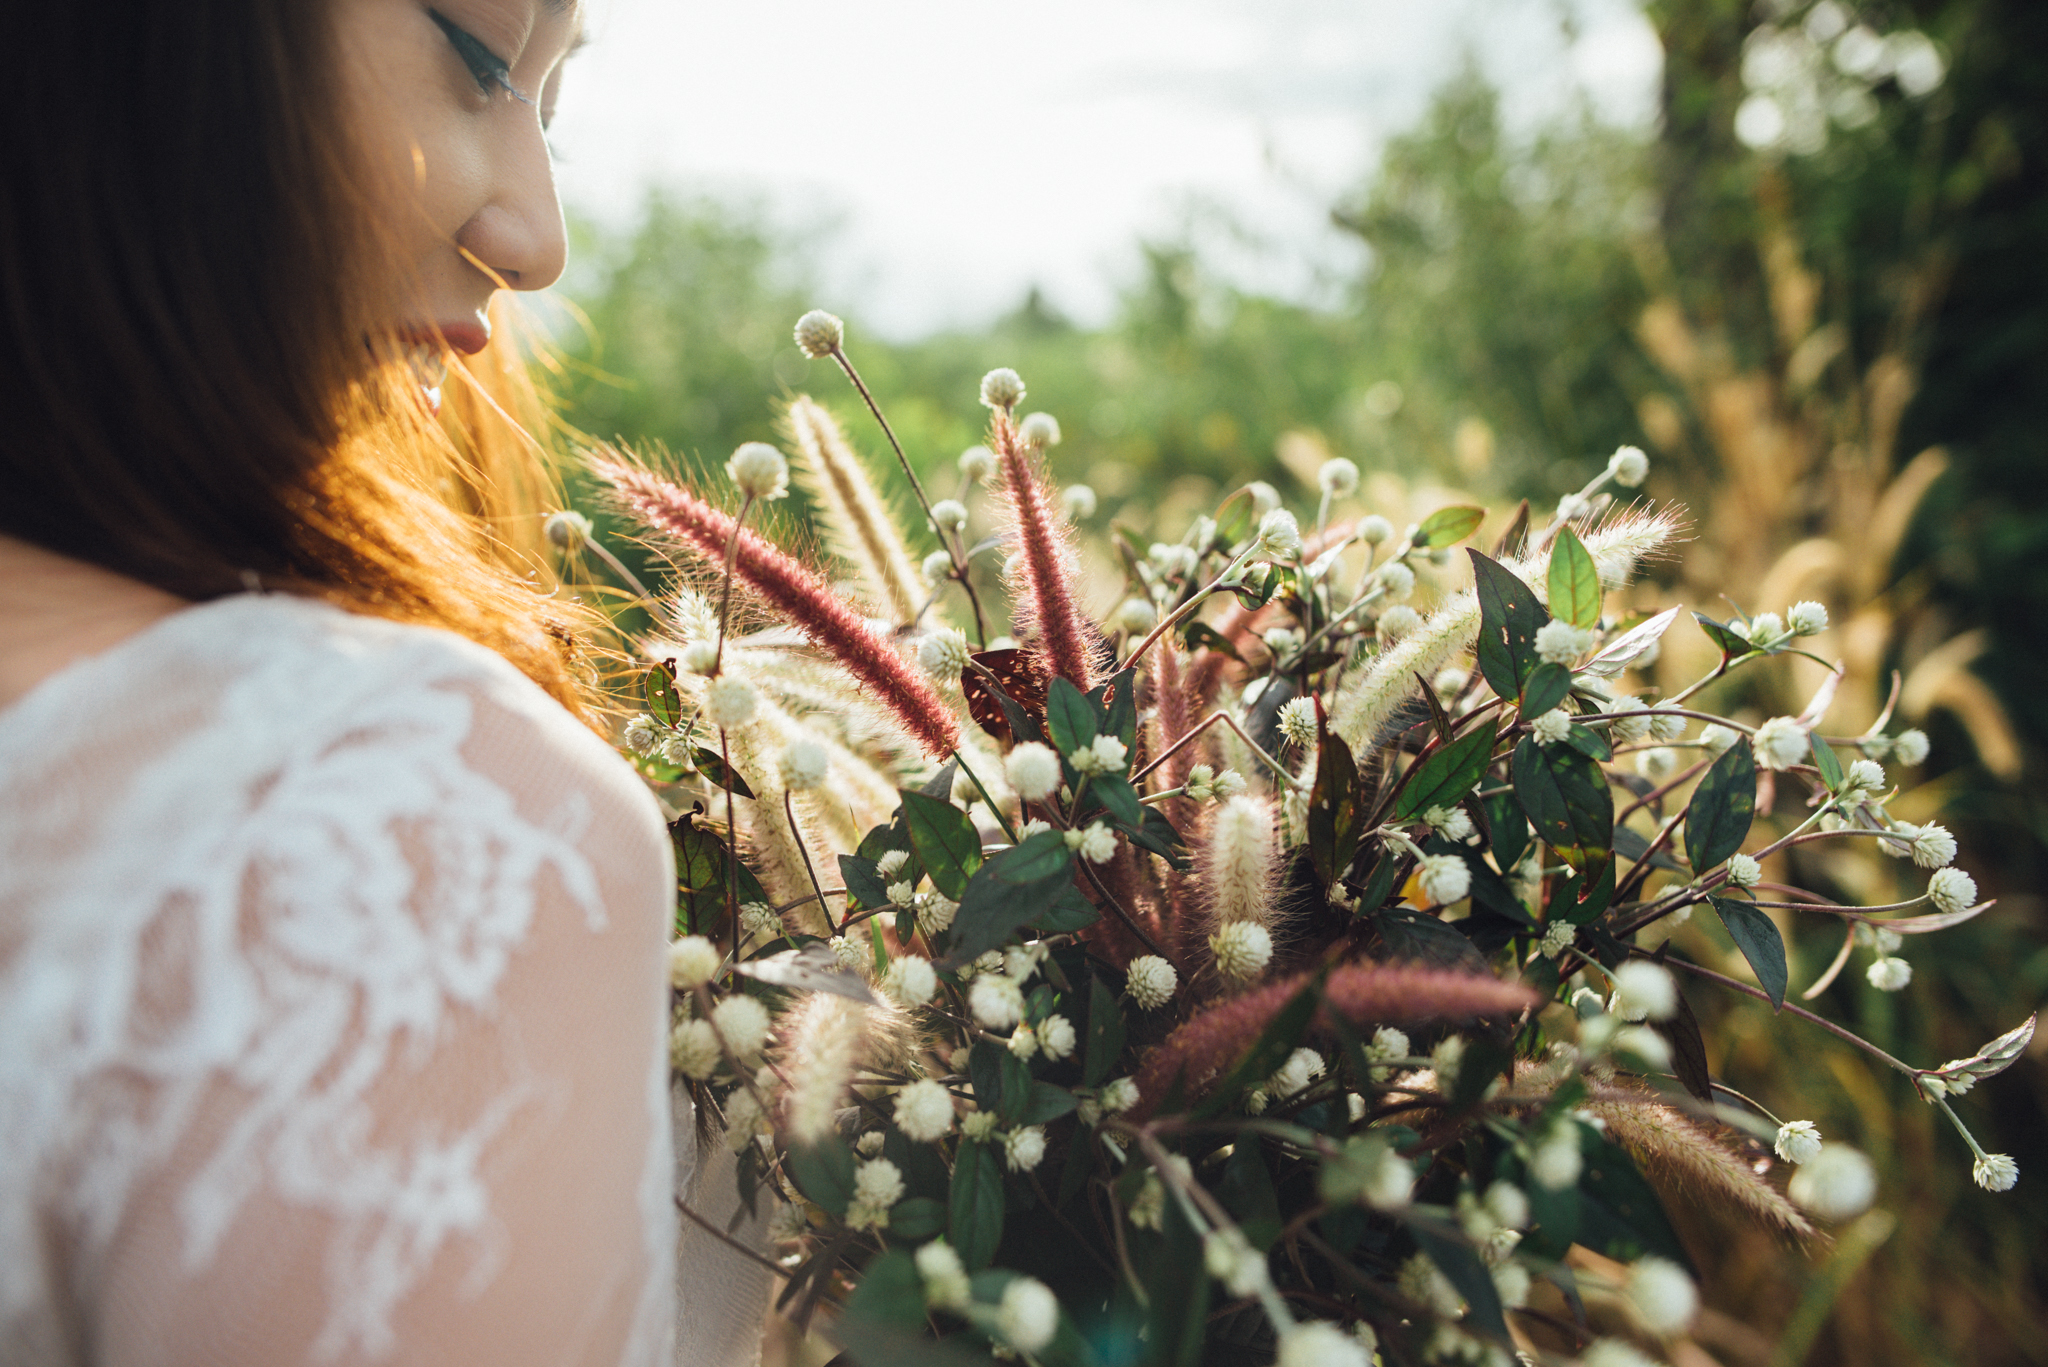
(330,939)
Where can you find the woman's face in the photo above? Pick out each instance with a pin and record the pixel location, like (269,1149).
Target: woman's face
(450,100)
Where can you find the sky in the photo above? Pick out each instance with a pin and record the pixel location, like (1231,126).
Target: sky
(945,156)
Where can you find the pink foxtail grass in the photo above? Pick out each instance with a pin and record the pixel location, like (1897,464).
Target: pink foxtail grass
(798,593)
(1047,605)
(1362,993)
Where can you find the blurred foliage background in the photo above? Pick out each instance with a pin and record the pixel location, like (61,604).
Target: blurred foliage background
(1817,294)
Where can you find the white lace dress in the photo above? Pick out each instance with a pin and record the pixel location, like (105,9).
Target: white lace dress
(332,1016)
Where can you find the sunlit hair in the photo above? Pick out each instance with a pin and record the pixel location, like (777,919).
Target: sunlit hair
(186,393)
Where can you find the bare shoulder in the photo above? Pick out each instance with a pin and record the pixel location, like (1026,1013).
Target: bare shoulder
(55,611)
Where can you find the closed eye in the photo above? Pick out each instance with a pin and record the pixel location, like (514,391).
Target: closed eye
(489,69)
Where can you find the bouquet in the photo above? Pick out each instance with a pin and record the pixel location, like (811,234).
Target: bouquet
(1280,967)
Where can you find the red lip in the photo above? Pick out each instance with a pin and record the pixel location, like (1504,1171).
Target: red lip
(468,336)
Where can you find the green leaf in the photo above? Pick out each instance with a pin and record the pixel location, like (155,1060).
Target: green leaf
(993,907)
(1177,1324)
(916,1219)
(975,1214)
(945,841)
(891,1292)
(1105,1043)
(1415,938)
(1039,856)
(1586,894)
(1120,712)
(1722,808)
(1688,1052)
(1756,935)
(1336,816)
(1247,1193)
(703,877)
(662,699)
(1574,582)
(864,880)
(1462,1267)
(1379,884)
(1069,717)
(1619,1214)
(1070,913)
(1732,643)
(1548,685)
(712,765)
(1510,829)
(823,1172)
(1509,618)
(1159,836)
(1235,518)
(1589,742)
(1825,760)
(1201,636)
(1042,1103)
(1448,526)
(1447,776)
(1279,1039)
(1566,798)
(1119,799)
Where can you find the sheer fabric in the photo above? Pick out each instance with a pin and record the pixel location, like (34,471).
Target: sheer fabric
(332,1015)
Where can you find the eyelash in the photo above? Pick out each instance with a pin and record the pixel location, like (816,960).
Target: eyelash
(490,70)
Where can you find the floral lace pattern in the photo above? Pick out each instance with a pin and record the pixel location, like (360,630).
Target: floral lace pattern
(295,885)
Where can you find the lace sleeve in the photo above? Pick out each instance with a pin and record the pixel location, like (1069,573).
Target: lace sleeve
(399,1094)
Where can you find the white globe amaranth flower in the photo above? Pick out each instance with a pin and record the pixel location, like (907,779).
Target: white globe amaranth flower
(1265,498)
(1338,477)
(851,954)
(1512,1284)
(803,765)
(1665,723)
(1119,1096)
(1134,617)
(995,1001)
(567,529)
(1231,1260)
(949,515)
(935,912)
(1303,1066)
(924,1111)
(1039,429)
(1657,763)
(1717,738)
(943,652)
(1386,1179)
(1995,1172)
(759,470)
(1556,1161)
(1764,630)
(1952,890)
(1079,503)
(693,1049)
(729,703)
(698,657)
(1452,823)
(1057,1038)
(977,462)
(1450,681)
(1318,1343)
(1374,530)
(1096,844)
(1631,721)
(1889,974)
(1836,1183)
(1228,784)
(760,920)
(1388,1043)
(1551,727)
(1002,388)
(1421,1281)
(1572,507)
(911,979)
(1863,778)
(1023,1041)
(1662,1295)
(1175,562)
(1103,755)
(877,1185)
(679,751)
(1396,579)
(1398,621)
(1910,747)
(1445,1059)
(819,334)
(1297,721)
(938,567)
(946,1284)
(1560,642)
(1508,1204)
(890,863)
(1781,743)
(1151,982)
(693,961)
(1743,871)
(1878,937)
(1201,782)
(869,1144)
(979,1126)
(1614,1353)
(1806,618)
(1282,641)
(1028,1315)
(742,1023)
(1031,828)
(1629,466)
(1933,846)
(1280,535)
(902,895)
(1242,949)
(1648,1047)
(640,734)
(1798,1141)
(1557,938)
(1033,770)
(1444,878)
(1024,1149)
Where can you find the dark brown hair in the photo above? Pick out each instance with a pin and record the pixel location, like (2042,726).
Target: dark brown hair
(186,395)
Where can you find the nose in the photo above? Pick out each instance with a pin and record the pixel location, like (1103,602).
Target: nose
(518,234)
